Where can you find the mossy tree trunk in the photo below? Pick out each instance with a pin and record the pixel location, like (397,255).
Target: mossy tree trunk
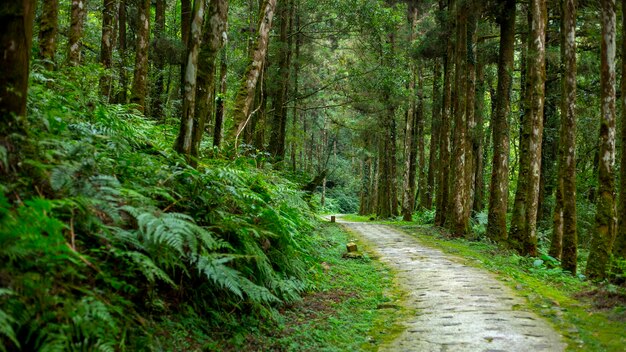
(219,104)
(499,186)
(184,141)
(139,89)
(156,111)
(48,28)
(122,97)
(444,136)
(603,236)
(565,230)
(213,36)
(620,240)
(434,135)
(16,33)
(109,12)
(523,235)
(78,12)
(456,221)
(245,94)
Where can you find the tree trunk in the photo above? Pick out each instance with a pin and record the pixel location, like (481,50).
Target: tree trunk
(456,221)
(567,153)
(499,187)
(470,112)
(434,134)
(418,140)
(48,28)
(219,109)
(16,33)
(245,94)
(444,141)
(408,184)
(78,12)
(523,236)
(296,72)
(122,97)
(213,36)
(279,121)
(478,135)
(184,141)
(620,241)
(156,111)
(140,74)
(185,30)
(109,12)
(605,208)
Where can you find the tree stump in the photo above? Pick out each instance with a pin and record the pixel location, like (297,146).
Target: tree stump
(351,247)
(332,218)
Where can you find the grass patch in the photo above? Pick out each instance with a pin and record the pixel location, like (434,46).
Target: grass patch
(352,305)
(570,303)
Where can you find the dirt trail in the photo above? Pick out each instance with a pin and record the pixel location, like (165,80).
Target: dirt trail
(459,308)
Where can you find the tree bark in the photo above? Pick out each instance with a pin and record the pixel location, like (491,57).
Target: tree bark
(48,28)
(184,141)
(478,135)
(156,111)
(214,34)
(219,109)
(279,120)
(122,97)
(245,94)
(620,240)
(523,235)
(603,236)
(499,187)
(78,12)
(434,134)
(109,12)
(444,141)
(16,33)
(185,30)
(140,74)
(456,221)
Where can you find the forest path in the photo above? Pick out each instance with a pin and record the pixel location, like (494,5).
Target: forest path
(459,307)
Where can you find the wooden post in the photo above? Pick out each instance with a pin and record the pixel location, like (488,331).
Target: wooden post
(332,218)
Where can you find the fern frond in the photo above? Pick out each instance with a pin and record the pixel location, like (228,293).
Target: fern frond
(225,277)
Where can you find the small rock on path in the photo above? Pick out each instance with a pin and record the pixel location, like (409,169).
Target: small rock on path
(459,308)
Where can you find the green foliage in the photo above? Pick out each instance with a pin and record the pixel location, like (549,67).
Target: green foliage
(108,229)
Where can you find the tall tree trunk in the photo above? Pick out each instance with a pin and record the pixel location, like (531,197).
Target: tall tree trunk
(16,33)
(605,208)
(184,141)
(435,126)
(409,164)
(296,72)
(185,30)
(219,109)
(499,187)
(159,61)
(620,240)
(470,111)
(48,28)
(78,12)
(478,135)
(523,235)
(109,12)
(245,94)
(456,221)
(279,120)
(565,212)
(122,97)
(418,139)
(140,74)
(446,115)
(214,33)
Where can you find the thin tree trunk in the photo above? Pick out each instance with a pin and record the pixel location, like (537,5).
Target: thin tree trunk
(444,141)
(214,32)
(159,62)
(245,94)
(603,236)
(478,135)
(435,127)
(16,33)
(48,28)
(456,221)
(140,74)
(418,139)
(470,112)
(78,12)
(523,235)
(122,97)
(219,113)
(106,47)
(185,30)
(620,241)
(296,72)
(184,141)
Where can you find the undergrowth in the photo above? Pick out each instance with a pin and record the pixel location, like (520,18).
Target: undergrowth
(107,232)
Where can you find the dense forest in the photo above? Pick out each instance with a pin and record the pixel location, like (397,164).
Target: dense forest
(170,158)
